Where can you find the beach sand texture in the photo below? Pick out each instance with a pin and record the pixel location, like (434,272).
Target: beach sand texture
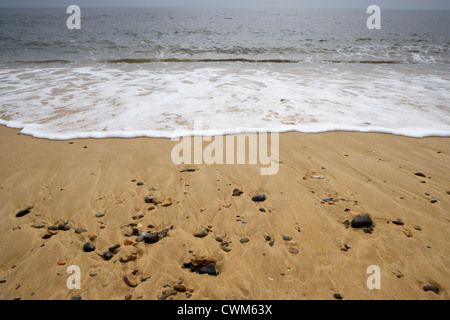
(299,244)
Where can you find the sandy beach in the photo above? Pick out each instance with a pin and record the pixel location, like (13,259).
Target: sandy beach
(296,244)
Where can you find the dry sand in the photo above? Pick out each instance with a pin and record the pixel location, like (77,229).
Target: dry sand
(367,173)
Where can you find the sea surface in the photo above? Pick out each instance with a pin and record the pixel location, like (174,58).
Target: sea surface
(156,72)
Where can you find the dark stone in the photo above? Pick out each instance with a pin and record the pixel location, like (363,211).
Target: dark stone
(79,230)
(63,226)
(88,247)
(362,221)
(399,223)
(420,174)
(210,269)
(338,296)
(271,243)
(114,248)
(108,255)
(431,288)
(433,201)
(262,209)
(188,170)
(23,212)
(237,192)
(244,240)
(287,238)
(259,197)
(151,237)
(53,228)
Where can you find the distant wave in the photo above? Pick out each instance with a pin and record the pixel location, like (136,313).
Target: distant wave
(243,60)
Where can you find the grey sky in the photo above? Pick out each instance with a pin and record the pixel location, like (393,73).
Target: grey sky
(384,4)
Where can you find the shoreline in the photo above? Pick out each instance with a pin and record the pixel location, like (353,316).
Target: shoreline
(364,173)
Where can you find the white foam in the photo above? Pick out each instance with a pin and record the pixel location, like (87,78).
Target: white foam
(165,99)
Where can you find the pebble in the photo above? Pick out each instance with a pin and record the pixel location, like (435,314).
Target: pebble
(399,223)
(179,288)
(262,209)
(107,255)
(362,221)
(210,269)
(431,288)
(151,237)
(128,297)
(149,199)
(80,230)
(317,177)
(200,232)
(287,238)
(88,247)
(38,225)
(259,197)
(63,226)
(433,201)
(244,240)
(338,296)
(99,214)
(23,212)
(61,262)
(420,174)
(237,192)
(130,279)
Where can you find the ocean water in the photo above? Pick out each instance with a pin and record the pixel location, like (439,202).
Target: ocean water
(156,72)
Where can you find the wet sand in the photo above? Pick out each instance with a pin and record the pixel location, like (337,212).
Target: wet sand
(299,241)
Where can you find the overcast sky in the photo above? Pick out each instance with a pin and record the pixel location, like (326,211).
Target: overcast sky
(384,4)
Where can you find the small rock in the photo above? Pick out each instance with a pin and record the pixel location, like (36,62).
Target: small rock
(47,235)
(63,226)
(114,248)
(151,237)
(107,255)
(210,269)
(128,242)
(149,199)
(420,174)
(23,212)
(38,225)
(130,257)
(317,177)
(399,223)
(237,192)
(80,230)
(88,247)
(130,279)
(433,201)
(431,288)
(99,214)
(259,197)
(362,221)
(61,262)
(188,170)
(200,232)
(338,296)
(219,239)
(244,240)
(128,297)
(140,183)
(180,288)
(262,209)
(287,238)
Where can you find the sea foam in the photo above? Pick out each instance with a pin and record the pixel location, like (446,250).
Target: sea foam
(165,99)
